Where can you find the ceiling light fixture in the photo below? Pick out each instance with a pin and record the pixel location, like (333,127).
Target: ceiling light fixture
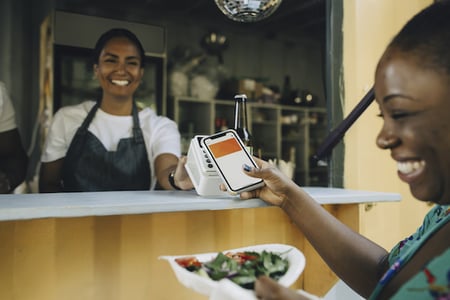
(247,10)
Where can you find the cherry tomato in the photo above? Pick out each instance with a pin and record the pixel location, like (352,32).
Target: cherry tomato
(189,261)
(241,257)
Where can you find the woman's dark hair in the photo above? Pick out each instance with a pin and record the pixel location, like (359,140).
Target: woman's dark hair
(427,36)
(115,33)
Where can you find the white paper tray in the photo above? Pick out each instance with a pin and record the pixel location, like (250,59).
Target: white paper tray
(225,289)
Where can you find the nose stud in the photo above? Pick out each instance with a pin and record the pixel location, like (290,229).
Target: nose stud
(384,144)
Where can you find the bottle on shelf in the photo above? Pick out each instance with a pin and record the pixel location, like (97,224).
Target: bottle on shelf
(240,121)
(286,92)
(223,125)
(220,124)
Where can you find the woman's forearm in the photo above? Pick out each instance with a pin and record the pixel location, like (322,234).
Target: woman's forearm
(353,258)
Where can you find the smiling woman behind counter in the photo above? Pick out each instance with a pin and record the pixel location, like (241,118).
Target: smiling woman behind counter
(110,144)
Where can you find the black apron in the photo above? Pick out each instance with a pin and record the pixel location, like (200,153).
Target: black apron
(88,166)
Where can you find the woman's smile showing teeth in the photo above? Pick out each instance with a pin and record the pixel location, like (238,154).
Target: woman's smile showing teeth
(408,170)
(120,82)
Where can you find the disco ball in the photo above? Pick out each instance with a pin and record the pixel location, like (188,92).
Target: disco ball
(247,10)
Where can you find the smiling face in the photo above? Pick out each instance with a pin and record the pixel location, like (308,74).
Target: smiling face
(119,69)
(415,103)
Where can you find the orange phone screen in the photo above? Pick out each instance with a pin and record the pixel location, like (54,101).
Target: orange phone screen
(224,148)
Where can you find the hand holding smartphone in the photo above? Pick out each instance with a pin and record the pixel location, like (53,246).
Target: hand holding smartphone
(229,154)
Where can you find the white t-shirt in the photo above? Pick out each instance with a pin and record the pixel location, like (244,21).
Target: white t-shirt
(161,134)
(7,117)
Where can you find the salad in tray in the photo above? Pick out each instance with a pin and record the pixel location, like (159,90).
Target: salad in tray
(242,266)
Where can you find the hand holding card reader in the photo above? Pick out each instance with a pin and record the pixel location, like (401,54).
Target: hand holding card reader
(201,170)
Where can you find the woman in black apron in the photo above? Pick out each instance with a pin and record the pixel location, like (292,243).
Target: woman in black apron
(88,165)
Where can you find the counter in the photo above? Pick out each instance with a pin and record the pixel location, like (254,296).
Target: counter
(105,246)
(63,205)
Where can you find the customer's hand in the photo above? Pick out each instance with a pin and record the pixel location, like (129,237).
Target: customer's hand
(268,289)
(277,185)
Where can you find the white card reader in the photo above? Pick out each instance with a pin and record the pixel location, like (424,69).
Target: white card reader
(202,171)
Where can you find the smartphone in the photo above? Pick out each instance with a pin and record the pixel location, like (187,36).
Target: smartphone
(228,154)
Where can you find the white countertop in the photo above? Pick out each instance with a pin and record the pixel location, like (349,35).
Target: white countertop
(63,205)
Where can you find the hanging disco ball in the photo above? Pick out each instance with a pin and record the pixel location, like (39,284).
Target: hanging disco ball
(247,10)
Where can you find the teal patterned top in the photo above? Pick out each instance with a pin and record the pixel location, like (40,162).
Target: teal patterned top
(433,282)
